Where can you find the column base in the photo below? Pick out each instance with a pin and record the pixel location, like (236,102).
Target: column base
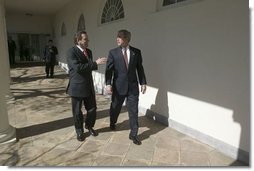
(8,135)
(10,98)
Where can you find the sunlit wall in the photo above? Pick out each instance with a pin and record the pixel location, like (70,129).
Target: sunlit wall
(196,58)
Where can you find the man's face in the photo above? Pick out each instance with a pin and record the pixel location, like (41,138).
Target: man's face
(83,43)
(121,41)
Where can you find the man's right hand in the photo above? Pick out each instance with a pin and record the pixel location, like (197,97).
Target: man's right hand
(101,60)
(109,89)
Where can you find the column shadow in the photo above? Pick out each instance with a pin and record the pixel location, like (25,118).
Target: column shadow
(51,126)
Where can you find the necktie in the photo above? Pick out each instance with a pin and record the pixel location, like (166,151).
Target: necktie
(85,53)
(125,57)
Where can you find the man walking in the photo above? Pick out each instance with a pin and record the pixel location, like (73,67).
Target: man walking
(81,87)
(124,70)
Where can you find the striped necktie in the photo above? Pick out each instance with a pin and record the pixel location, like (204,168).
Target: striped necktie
(125,57)
(85,53)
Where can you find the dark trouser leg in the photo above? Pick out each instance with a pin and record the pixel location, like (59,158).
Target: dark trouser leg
(13,57)
(115,107)
(77,114)
(132,105)
(47,68)
(10,60)
(52,66)
(90,106)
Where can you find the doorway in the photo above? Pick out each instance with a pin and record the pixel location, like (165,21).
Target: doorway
(29,46)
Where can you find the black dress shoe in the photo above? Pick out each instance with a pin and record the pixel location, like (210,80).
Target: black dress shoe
(92,132)
(135,140)
(80,137)
(112,127)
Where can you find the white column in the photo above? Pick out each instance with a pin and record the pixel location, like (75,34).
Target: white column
(7,132)
(251,6)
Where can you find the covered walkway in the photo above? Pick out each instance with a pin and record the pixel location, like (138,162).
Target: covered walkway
(41,114)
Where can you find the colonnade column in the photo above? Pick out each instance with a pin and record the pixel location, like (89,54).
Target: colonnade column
(7,132)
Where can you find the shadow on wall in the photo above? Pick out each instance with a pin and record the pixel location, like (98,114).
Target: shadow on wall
(209,80)
(161,104)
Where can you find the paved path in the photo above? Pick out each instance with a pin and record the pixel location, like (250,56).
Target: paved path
(42,116)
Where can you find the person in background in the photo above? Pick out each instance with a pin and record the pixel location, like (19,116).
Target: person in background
(124,70)
(27,53)
(12,49)
(81,88)
(50,53)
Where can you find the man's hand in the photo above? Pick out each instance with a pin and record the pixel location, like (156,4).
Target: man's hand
(143,89)
(109,89)
(101,60)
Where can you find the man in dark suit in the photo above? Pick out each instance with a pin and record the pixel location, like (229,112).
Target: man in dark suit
(50,53)
(12,49)
(80,87)
(124,70)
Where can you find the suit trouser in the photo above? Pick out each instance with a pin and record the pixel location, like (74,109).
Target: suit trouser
(12,57)
(49,69)
(132,106)
(90,106)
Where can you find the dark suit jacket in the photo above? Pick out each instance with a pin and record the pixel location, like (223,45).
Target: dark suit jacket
(50,54)
(125,80)
(80,72)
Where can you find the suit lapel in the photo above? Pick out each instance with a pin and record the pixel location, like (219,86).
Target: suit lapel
(89,55)
(121,59)
(132,55)
(80,54)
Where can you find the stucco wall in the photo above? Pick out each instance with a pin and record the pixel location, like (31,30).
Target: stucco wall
(196,58)
(19,23)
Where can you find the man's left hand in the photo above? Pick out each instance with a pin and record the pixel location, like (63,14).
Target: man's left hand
(143,89)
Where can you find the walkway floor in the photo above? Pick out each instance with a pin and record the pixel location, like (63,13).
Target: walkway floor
(41,114)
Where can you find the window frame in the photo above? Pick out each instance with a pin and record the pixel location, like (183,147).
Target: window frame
(81,19)
(104,3)
(160,6)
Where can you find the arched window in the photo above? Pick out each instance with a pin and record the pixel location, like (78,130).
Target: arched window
(63,30)
(81,23)
(113,10)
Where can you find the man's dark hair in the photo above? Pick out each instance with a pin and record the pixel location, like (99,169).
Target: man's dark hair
(78,36)
(124,34)
(50,40)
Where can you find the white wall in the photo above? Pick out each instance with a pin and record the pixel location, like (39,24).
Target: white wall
(196,59)
(203,67)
